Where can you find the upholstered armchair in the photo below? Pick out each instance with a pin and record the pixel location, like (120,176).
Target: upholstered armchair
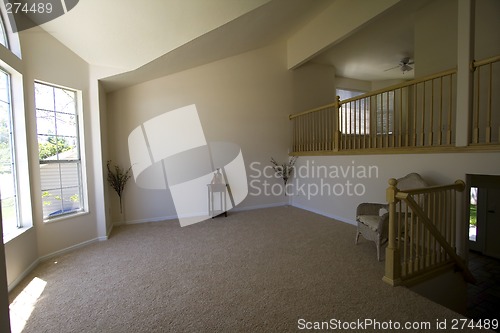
(373,223)
(373,218)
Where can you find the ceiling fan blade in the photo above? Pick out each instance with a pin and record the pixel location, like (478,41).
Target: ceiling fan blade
(390,69)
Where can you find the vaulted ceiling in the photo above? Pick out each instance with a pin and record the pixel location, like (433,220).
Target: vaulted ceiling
(152,38)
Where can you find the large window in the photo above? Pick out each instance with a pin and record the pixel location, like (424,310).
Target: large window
(353,116)
(357,117)
(3,35)
(59,150)
(8,186)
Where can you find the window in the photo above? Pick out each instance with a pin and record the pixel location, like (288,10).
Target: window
(385,112)
(8,186)
(353,115)
(3,35)
(59,150)
(15,194)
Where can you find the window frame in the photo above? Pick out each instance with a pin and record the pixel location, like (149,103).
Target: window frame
(79,162)
(11,64)
(13,159)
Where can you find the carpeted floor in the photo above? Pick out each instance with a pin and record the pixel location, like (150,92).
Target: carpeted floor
(254,271)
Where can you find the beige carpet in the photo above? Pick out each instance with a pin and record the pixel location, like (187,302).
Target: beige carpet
(254,271)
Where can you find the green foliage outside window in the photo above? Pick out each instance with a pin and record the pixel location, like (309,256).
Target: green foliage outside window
(52,147)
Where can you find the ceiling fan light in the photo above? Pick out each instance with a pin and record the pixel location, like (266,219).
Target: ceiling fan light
(406,68)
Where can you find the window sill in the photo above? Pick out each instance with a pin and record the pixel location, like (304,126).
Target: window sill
(9,237)
(64,217)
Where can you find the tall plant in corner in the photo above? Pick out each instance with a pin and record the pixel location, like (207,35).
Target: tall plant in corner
(284,170)
(118,178)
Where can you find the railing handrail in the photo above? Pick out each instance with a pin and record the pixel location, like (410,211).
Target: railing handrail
(398,260)
(375,92)
(319,108)
(409,116)
(459,186)
(441,240)
(400,85)
(485,61)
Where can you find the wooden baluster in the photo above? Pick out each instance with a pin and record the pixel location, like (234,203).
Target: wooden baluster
(314,131)
(387,128)
(294,133)
(346,126)
(393,136)
(407,116)
(354,117)
(392,257)
(380,123)
(418,242)
(440,123)
(431,116)
(302,131)
(415,105)
(407,256)
(475,131)
(450,111)
(337,117)
(331,127)
(298,124)
(307,132)
(358,126)
(400,122)
(422,128)
(326,129)
(369,127)
(488,112)
(373,122)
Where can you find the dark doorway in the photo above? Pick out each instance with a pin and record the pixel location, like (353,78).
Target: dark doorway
(483,211)
(483,218)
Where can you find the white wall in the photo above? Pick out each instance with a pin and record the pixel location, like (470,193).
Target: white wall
(48,60)
(487,38)
(436,37)
(4,299)
(243,99)
(45,59)
(437,169)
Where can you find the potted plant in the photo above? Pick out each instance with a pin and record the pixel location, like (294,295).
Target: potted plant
(117,179)
(284,170)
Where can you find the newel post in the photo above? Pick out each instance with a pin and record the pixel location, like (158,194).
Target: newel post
(336,132)
(392,260)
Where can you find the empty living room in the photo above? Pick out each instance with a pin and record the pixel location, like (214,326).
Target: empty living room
(249,166)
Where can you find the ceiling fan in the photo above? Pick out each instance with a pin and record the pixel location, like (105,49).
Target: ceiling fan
(404,65)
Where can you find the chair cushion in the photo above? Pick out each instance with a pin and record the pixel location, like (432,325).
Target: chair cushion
(371,221)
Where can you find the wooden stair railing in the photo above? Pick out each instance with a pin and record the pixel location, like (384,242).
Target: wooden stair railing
(413,116)
(422,233)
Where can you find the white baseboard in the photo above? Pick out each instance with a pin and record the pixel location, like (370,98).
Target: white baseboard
(24,274)
(31,267)
(152,219)
(174,217)
(263,206)
(68,249)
